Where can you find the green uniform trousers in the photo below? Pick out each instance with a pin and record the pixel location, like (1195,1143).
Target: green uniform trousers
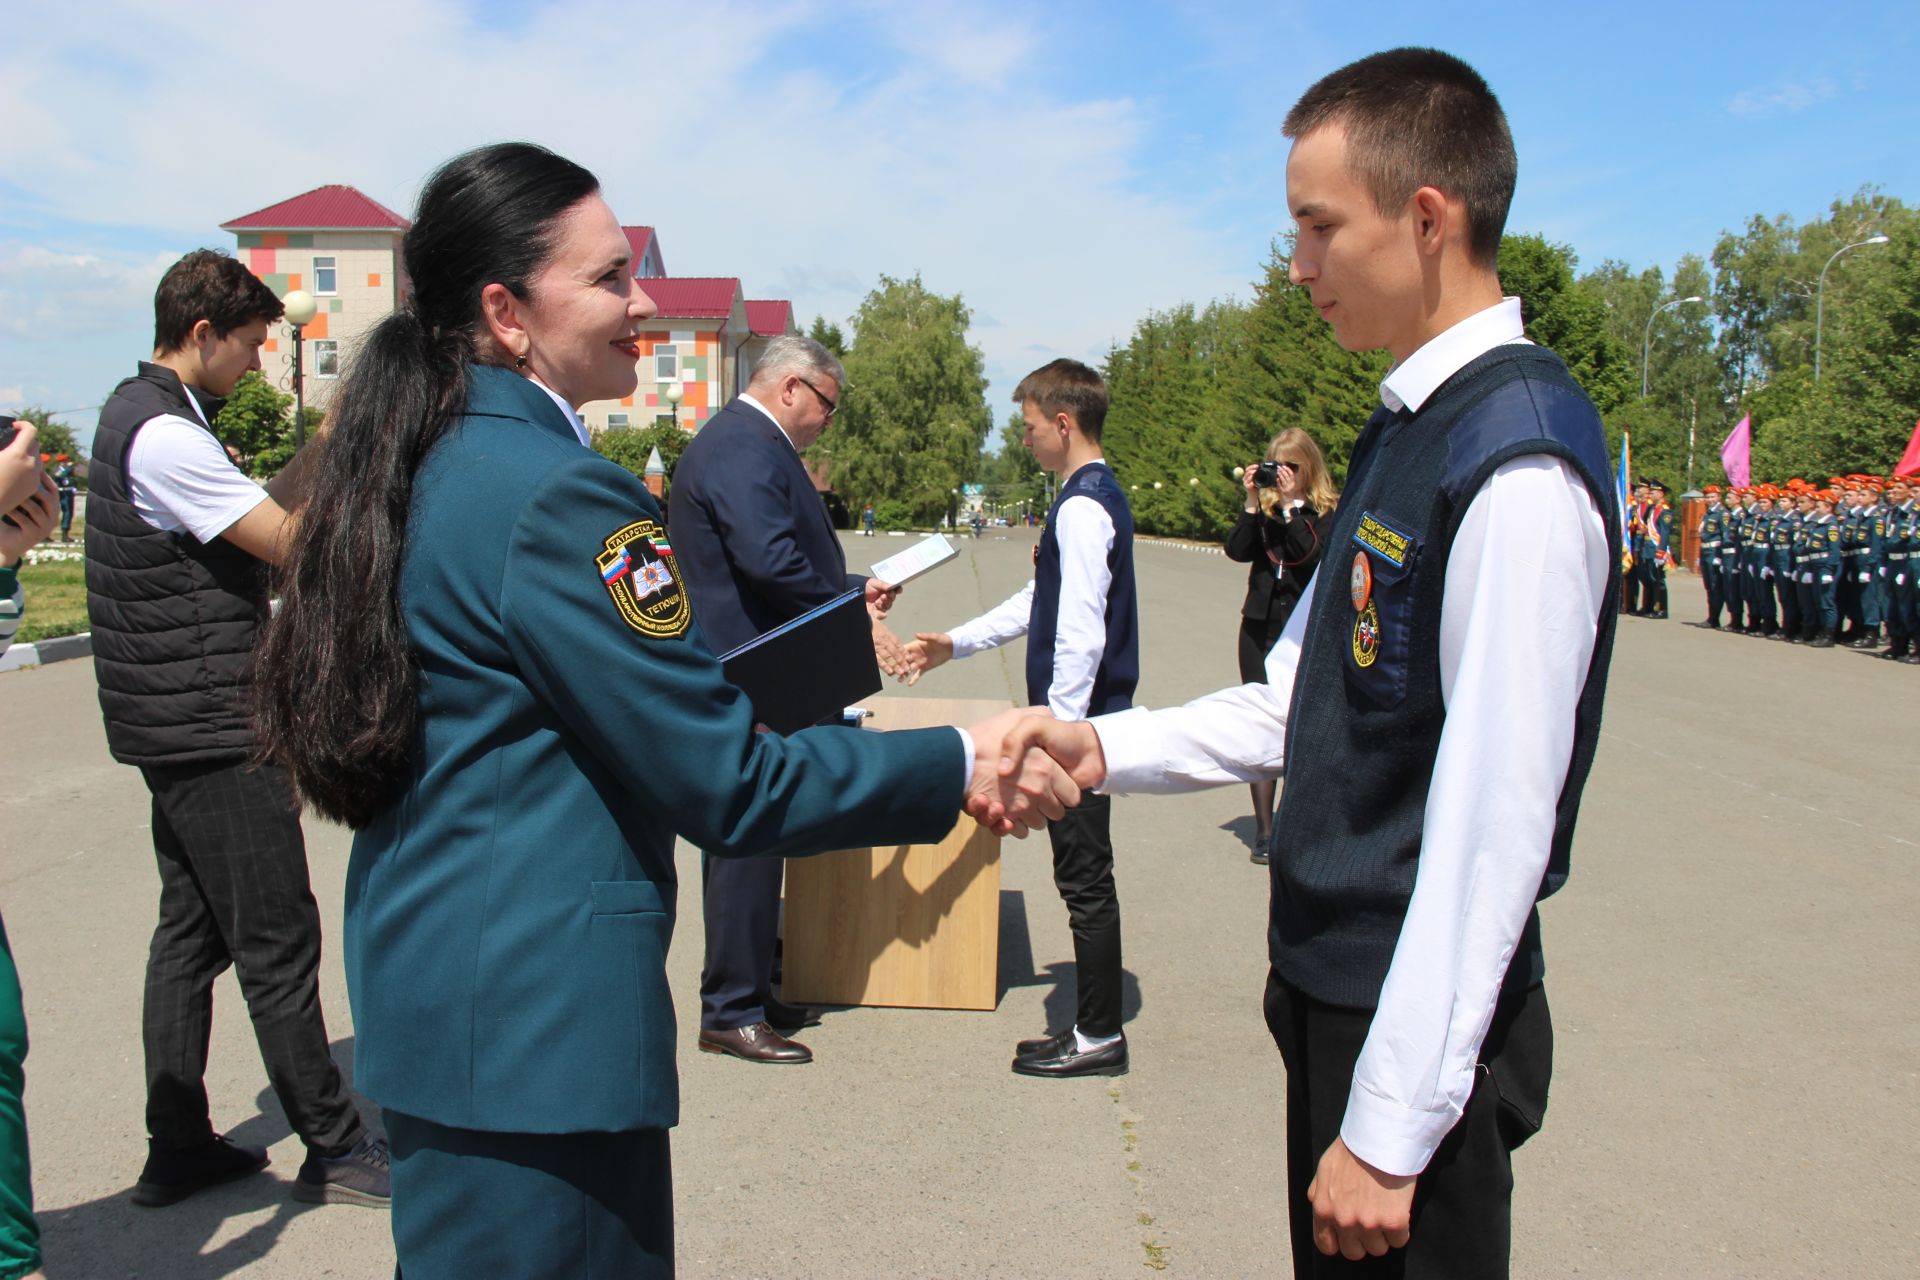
(19,1233)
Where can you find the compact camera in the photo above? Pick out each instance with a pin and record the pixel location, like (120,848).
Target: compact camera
(1266,475)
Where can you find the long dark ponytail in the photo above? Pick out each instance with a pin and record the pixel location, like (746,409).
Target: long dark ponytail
(335,699)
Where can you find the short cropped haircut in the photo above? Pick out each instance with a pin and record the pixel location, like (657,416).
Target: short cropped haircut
(1420,118)
(1067,386)
(208,285)
(797,354)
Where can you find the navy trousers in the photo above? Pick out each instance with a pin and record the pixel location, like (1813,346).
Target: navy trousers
(740,899)
(534,1206)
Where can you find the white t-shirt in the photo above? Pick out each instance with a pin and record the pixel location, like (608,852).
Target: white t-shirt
(181,480)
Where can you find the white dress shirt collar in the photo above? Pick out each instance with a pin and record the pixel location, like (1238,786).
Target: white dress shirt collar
(573,419)
(770,418)
(1413,381)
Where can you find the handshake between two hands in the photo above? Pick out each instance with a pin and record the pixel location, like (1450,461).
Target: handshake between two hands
(1029,769)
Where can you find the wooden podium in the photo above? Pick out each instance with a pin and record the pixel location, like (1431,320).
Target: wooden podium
(914,926)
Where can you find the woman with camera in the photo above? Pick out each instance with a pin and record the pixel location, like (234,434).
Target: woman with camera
(1289,498)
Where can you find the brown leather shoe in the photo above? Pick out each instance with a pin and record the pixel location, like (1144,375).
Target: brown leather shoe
(756,1042)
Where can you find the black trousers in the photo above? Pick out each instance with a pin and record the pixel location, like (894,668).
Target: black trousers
(740,901)
(1462,1202)
(1711,580)
(1083,873)
(534,1206)
(234,891)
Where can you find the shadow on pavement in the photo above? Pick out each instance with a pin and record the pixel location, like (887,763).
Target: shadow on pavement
(112,1236)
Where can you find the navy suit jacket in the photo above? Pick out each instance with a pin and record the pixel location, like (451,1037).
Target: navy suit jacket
(508,915)
(749,530)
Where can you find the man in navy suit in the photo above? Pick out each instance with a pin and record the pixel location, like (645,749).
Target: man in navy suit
(753,541)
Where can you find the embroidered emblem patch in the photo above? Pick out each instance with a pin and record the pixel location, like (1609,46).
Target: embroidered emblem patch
(637,569)
(1360,583)
(1366,636)
(1389,543)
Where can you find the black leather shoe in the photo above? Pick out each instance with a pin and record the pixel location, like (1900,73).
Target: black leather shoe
(1027,1048)
(174,1173)
(756,1043)
(1061,1057)
(790,1017)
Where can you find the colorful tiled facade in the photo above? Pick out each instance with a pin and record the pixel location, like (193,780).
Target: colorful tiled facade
(704,338)
(342,248)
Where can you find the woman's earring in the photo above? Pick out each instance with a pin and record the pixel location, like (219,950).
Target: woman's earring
(519,362)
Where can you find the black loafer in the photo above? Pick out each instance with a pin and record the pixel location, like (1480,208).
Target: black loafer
(174,1173)
(1027,1048)
(1060,1058)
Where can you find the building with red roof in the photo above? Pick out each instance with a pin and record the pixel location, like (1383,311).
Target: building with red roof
(343,247)
(339,245)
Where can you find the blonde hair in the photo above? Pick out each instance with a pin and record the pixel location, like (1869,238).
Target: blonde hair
(1316,485)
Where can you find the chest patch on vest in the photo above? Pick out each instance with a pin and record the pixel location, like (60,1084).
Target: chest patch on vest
(637,569)
(1360,581)
(1366,636)
(1385,541)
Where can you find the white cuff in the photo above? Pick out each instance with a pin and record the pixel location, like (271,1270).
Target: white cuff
(1393,1138)
(966,746)
(1131,747)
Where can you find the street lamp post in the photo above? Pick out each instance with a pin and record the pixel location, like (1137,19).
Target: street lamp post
(301,309)
(674,394)
(1646,343)
(1820,298)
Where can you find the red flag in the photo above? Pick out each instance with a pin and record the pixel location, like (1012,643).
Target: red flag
(1910,461)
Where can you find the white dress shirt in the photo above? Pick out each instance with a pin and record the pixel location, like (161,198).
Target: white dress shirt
(1085,533)
(180,479)
(1519,612)
(573,418)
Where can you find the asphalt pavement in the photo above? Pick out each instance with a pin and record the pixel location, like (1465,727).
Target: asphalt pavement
(1732,971)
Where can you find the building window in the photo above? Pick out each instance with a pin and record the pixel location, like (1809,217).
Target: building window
(616,420)
(666,364)
(326,358)
(324,276)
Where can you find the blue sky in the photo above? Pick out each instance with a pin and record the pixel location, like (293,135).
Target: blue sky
(1066,168)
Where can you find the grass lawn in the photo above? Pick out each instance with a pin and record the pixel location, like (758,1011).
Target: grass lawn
(56,594)
(56,600)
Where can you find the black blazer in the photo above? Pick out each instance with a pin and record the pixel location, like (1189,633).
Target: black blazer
(750,532)
(1296,545)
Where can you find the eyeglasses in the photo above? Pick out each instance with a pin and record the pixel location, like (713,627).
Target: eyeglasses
(832,406)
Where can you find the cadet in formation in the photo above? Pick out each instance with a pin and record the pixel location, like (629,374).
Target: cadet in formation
(1821,566)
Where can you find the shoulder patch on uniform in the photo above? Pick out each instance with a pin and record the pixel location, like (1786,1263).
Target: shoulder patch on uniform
(636,566)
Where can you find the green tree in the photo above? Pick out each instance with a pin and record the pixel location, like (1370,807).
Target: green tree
(1289,371)
(56,438)
(828,336)
(1011,475)
(1571,321)
(256,423)
(632,446)
(914,415)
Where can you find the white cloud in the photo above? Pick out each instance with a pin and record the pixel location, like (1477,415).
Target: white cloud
(1782,96)
(932,143)
(47,295)
(14,395)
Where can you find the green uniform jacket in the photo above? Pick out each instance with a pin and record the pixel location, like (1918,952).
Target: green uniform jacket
(508,918)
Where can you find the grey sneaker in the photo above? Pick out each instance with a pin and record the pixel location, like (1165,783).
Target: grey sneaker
(360,1176)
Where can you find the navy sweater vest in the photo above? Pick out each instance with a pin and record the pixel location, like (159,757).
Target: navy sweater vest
(1119,671)
(1367,713)
(175,620)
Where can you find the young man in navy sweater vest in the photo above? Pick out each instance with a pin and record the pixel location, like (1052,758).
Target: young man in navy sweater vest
(1434,709)
(1083,658)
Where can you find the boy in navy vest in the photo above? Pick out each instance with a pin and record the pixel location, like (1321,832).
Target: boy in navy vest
(1434,709)
(1083,658)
